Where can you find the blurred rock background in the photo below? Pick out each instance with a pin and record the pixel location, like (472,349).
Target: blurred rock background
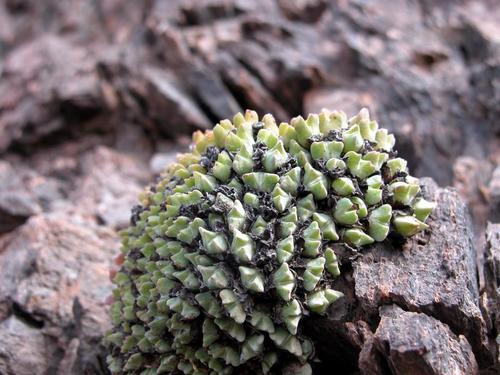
(97,96)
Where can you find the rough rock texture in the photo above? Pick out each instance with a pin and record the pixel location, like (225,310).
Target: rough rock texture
(490,298)
(432,275)
(432,348)
(94,96)
(16,357)
(109,186)
(494,191)
(53,290)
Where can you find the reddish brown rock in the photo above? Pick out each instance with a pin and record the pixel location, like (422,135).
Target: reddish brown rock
(53,287)
(22,348)
(494,194)
(24,193)
(470,178)
(433,276)
(415,343)
(109,186)
(47,85)
(433,273)
(490,298)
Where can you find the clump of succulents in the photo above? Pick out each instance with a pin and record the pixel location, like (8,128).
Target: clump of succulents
(236,243)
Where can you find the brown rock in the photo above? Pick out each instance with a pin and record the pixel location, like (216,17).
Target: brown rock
(470,178)
(22,348)
(109,186)
(53,287)
(415,343)
(128,74)
(24,193)
(432,274)
(494,194)
(47,86)
(490,298)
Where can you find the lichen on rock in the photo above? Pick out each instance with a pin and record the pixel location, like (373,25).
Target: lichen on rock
(236,242)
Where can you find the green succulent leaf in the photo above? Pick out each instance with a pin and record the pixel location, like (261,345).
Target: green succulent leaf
(313,273)
(408,225)
(284,281)
(215,243)
(315,182)
(320,300)
(291,314)
(312,240)
(423,208)
(252,279)
(345,212)
(253,347)
(331,263)
(232,305)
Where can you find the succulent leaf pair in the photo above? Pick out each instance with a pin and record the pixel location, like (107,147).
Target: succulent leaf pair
(237,241)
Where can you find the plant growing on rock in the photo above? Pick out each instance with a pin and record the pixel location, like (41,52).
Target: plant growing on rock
(236,242)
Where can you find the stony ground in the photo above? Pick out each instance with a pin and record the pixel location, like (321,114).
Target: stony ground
(96,97)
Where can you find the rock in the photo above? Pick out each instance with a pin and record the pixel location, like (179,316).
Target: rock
(490,298)
(494,194)
(53,289)
(161,160)
(415,343)
(484,93)
(169,106)
(47,86)
(304,10)
(109,186)
(22,348)
(433,275)
(24,193)
(470,178)
(88,99)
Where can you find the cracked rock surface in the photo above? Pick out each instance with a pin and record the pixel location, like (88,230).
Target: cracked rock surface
(95,97)
(53,295)
(433,274)
(408,305)
(432,348)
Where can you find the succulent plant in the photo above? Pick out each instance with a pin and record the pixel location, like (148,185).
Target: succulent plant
(236,243)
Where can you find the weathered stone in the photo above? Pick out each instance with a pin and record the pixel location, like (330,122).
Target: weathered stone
(470,178)
(22,348)
(24,193)
(167,101)
(415,343)
(54,279)
(433,273)
(129,74)
(33,101)
(159,161)
(490,298)
(109,186)
(494,194)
